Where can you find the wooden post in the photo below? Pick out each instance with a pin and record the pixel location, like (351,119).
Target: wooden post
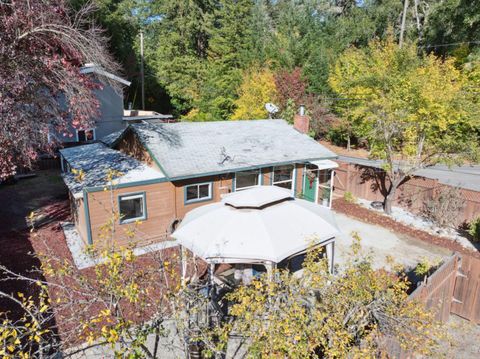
(332,178)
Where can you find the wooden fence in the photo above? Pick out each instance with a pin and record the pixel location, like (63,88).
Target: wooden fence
(371,184)
(452,288)
(43,163)
(466,297)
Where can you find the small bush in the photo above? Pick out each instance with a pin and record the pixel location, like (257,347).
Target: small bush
(474,229)
(445,208)
(349,197)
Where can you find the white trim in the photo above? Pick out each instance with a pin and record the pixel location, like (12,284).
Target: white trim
(85,130)
(198,199)
(324,164)
(259,178)
(92,68)
(126,197)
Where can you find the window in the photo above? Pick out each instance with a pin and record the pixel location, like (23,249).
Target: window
(247,179)
(132,207)
(86,135)
(283,176)
(198,192)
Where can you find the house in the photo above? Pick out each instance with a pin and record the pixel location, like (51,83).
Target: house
(112,117)
(163,170)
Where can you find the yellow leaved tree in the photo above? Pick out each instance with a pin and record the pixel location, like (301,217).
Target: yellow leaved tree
(258,88)
(352,314)
(414,111)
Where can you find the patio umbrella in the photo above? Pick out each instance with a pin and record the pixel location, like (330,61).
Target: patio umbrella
(255,225)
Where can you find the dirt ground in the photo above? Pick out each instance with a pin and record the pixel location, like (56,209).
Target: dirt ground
(381,243)
(368,216)
(354,152)
(465,337)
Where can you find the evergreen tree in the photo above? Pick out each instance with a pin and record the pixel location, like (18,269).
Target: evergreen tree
(227,50)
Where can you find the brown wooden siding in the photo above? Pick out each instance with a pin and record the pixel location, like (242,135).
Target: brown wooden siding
(165,203)
(299,180)
(221,185)
(160,204)
(131,145)
(80,218)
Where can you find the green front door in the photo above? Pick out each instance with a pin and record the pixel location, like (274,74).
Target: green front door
(309,186)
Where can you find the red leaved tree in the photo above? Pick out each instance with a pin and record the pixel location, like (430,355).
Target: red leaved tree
(42,46)
(292,91)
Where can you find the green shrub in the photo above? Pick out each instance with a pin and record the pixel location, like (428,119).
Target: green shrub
(349,197)
(474,229)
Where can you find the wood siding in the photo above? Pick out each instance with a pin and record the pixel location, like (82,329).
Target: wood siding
(131,145)
(220,185)
(160,205)
(165,205)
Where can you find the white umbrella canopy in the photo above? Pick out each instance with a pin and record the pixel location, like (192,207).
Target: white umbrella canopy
(255,225)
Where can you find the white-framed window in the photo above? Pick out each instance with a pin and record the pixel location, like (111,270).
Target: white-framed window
(86,135)
(198,192)
(247,179)
(132,207)
(283,176)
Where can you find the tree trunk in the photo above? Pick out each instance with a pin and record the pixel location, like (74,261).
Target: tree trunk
(389,199)
(348,143)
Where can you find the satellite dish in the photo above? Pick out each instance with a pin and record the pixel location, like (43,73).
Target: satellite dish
(271,109)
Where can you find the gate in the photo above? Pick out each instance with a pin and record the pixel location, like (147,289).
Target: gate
(466,296)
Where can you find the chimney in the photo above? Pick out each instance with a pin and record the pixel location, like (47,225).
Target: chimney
(301,122)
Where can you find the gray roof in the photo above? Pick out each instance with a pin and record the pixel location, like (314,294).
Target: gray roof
(467,176)
(192,149)
(96,160)
(111,138)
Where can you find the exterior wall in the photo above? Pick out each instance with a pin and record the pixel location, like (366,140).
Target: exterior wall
(165,205)
(220,185)
(111,111)
(299,180)
(78,214)
(110,115)
(81,220)
(160,206)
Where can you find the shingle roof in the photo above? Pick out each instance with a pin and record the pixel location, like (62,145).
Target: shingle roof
(95,160)
(111,138)
(192,149)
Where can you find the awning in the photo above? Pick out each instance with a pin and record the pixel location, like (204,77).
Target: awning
(324,164)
